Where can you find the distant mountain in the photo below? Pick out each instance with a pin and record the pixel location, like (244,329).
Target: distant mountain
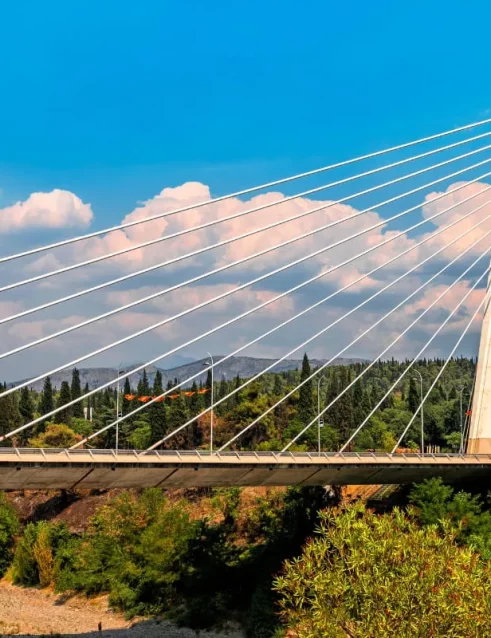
(242,366)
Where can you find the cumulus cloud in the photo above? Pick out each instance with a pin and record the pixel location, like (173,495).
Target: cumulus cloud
(350,222)
(56,209)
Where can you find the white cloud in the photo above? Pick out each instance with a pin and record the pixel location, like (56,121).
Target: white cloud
(179,331)
(56,209)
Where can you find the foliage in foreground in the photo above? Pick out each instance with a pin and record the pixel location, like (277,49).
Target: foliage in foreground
(9,528)
(198,562)
(365,575)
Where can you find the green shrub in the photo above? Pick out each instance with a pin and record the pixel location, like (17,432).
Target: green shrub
(368,575)
(9,528)
(39,554)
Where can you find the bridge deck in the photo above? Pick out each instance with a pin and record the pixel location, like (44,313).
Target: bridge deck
(96,469)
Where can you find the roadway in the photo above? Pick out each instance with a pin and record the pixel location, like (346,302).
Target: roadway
(103,469)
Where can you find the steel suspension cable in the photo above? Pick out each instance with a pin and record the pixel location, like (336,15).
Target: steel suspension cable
(326,364)
(289,320)
(406,330)
(226,294)
(160,293)
(143,366)
(406,370)
(234,290)
(239,214)
(250,233)
(442,370)
(240,193)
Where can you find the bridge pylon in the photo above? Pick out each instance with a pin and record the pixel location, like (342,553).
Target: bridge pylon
(479,441)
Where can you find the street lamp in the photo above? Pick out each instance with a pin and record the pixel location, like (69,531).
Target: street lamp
(207,363)
(117,408)
(421,411)
(320,422)
(461,390)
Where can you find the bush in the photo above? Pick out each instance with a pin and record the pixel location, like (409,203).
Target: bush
(39,555)
(9,528)
(367,575)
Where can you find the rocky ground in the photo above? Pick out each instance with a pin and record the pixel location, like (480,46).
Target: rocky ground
(31,612)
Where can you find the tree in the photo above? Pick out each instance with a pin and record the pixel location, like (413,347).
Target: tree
(143,388)
(46,403)
(26,405)
(306,397)
(10,417)
(413,396)
(126,404)
(368,575)
(9,528)
(65,396)
(76,392)
(55,435)
(157,411)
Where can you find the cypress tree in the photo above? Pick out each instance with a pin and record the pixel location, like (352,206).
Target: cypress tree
(76,392)
(278,386)
(10,417)
(306,398)
(126,403)
(413,396)
(178,415)
(197,403)
(46,403)
(65,396)
(26,405)
(158,411)
(208,384)
(143,388)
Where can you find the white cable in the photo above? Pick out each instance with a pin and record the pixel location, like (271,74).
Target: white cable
(256,209)
(226,294)
(459,341)
(143,366)
(256,231)
(409,366)
(324,365)
(240,193)
(287,321)
(160,293)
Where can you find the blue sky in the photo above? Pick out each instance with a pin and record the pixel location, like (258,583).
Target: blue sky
(115,99)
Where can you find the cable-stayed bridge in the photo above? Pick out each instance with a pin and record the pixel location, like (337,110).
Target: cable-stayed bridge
(414,254)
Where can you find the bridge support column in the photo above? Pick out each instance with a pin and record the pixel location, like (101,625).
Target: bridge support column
(479,441)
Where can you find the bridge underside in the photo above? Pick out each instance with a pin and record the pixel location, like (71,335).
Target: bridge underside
(103,469)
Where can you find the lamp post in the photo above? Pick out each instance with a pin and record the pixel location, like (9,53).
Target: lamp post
(461,390)
(421,411)
(117,407)
(206,363)
(321,378)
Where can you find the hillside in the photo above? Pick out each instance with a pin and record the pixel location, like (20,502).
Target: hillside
(242,366)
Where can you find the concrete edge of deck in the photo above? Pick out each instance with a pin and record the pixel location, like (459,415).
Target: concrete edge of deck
(104,469)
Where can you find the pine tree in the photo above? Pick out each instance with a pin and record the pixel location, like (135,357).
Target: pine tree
(76,392)
(306,398)
(158,411)
(65,396)
(26,405)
